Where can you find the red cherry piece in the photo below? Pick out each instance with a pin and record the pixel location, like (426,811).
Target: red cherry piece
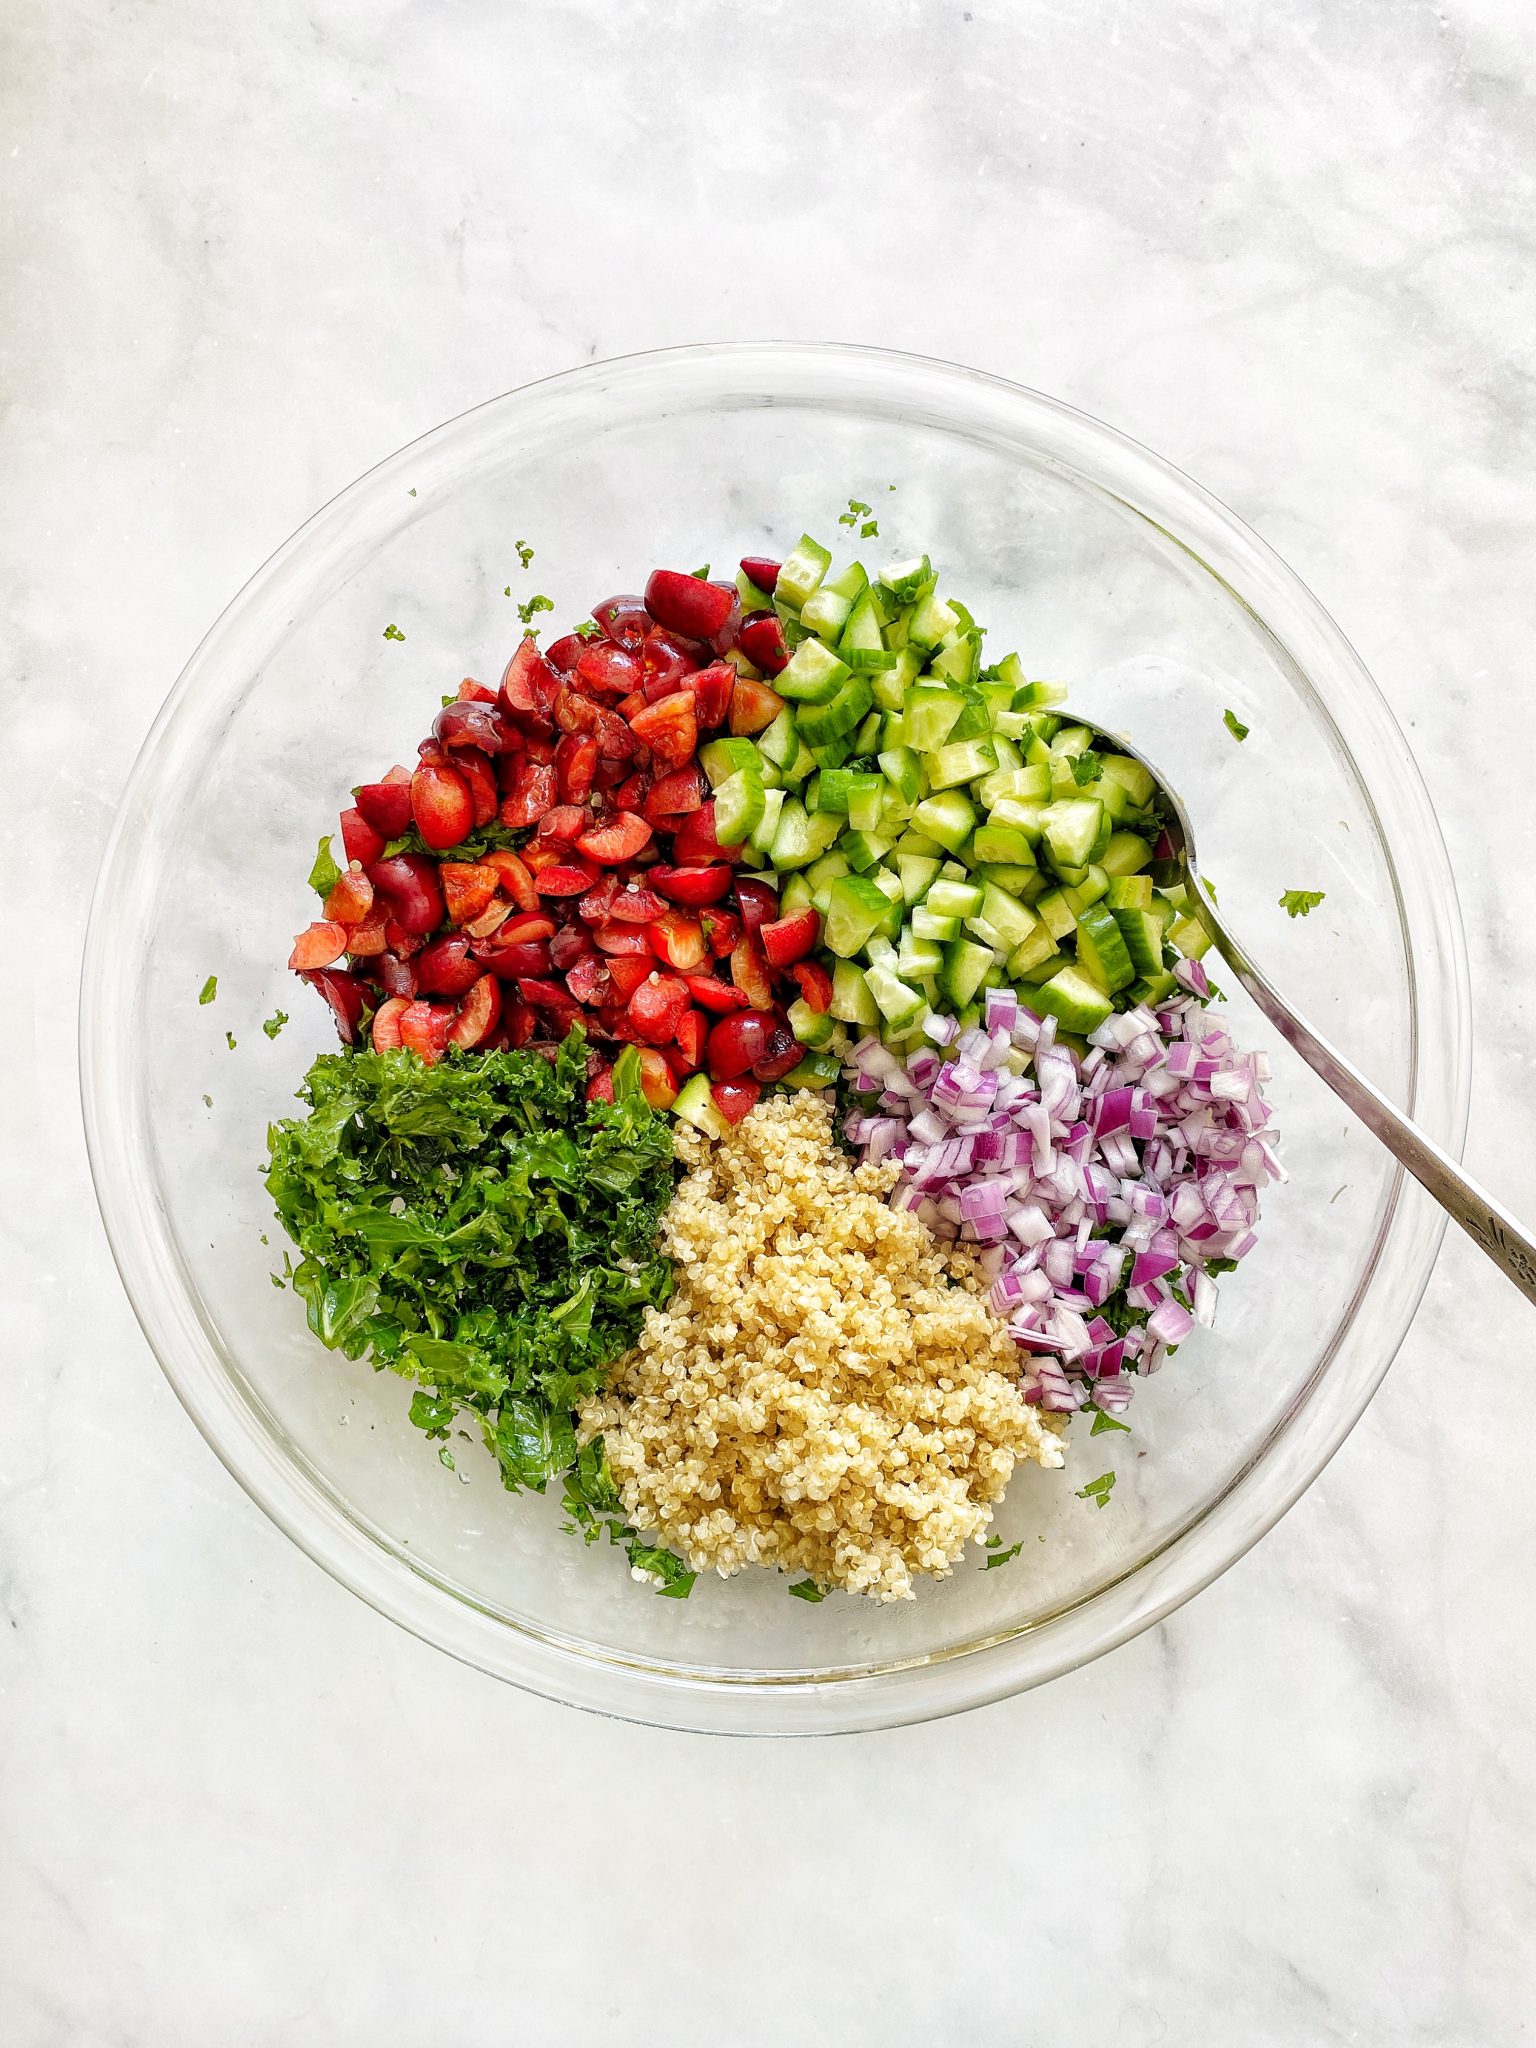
(318,945)
(712,691)
(361,840)
(635,905)
(754,706)
(396,975)
(738,1042)
(533,793)
(570,944)
(762,642)
(687,604)
(677,939)
(352,898)
(564,653)
(722,928)
(515,877)
(620,839)
(692,887)
(757,903)
(447,968)
(670,728)
(720,998)
(575,765)
(565,823)
(479,1013)
(410,881)
(676,794)
(667,661)
(441,805)
(658,1084)
(762,574)
(627,970)
(387,807)
(590,982)
(608,671)
(468,887)
(692,1034)
(424,1030)
(346,996)
(783,1054)
(564,880)
(624,619)
(750,973)
(467,722)
(529,684)
(815,985)
(657,1007)
(695,842)
(735,1099)
(386,1024)
(788,939)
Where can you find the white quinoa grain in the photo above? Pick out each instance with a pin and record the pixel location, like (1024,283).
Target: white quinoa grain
(826,1392)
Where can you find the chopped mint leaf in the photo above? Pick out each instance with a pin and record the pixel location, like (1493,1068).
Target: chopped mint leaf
(1299,902)
(1103,1421)
(1003,1556)
(277,1280)
(702,574)
(1235,725)
(1098,1489)
(870,530)
(275,1023)
(857,510)
(524,552)
(445,1457)
(209,990)
(325,874)
(807,1589)
(1085,768)
(676,1579)
(1228,1265)
(412,492)
(393,632)
(589,629)
(208,1104)
(535,604)
(507,590)
(229,1040)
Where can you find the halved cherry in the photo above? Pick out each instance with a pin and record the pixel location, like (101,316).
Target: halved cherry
(564,823)
(410,882)
(346,996)
(676,794)
(750,973)
(524,930)
(615,939)
(468,886)
(784,1054)
(735,1099)
(757,903)
(721,928)
(564,880)
(619,839)
(687,604)
(693,887)
(519,1024)
(446,967)
(600,1087)
(477,771)
(762,642)
(551,1001)
(491,919)
(609,671)
(471,692)
(352,898)
(367,940)
(727,632)
(590,981)
(386,1023)
(515,878)
(528,684)
(635,904)
(401,942)
(737,1043)
(657,1007)
(513,958)
(360,839)
(670,728)
(540,854)
(441,805)
(318,945)
(471,722)
(564,653)
(658,1083)
(667,660)
(624,619)
(533,793)
(754,706)
(712,688)
(815,985)
(575,764)
(397,976)
(761,573)
(593,907)
(386,806)
(695,842)
(571,943)
(479,1013)
(635,701)
(788,939)
(627,970)
(677,939)
(424,1030)
(720,998)
(692,1034)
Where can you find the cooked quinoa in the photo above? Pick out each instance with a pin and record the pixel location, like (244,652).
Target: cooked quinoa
(826,1391)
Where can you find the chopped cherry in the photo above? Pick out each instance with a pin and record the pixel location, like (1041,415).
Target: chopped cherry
(735,1099)
(368,939)
(757,903)
(667,661)
(762,574)
(609,671)
(783,1054)
(564,653)
(720,998)
(762,642)
(754,706)
(345,994)
(515,877)
(424,1030)
(352,898)
(657,1007)
(386,1023)
(676,794)
(692,1033)
(677,939)
(670,728)
(571,943)
(590,981)
(695,840)
(410,882)
(788,939)
(532,794)
(397,977)
(620,839)
(318,945)
(722,928)
(441,805)
(749,971)
(446,967)
(615,939)
(712,691)
(738,1042)
(658,1083)
(361,840)
(687,604)
(624,619)
(480,777)
(566,822)
(469,723)
(387,807)
(566,880)
(693,887)
(815,985)
(468,887)
(634,904)
(479,1013)
(627,970)
(575,765)
(529,684)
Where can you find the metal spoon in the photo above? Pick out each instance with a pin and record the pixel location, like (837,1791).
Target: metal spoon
(1507,1242)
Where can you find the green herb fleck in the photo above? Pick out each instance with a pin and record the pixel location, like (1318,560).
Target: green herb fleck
(1085,768)
(273,1024)
(507,590)
(1098,1489)
(1235,725)
(393,632)
(701,574)
(445,1457)
(524,552)
(870,530)
(857,510)
(209,989)
(1300,902)
(1003,1556)
(1103,1421)
(325,874)
(229,1040)
(807,1589)
(535,604)
(412,492)
(589,629)
(277,1280)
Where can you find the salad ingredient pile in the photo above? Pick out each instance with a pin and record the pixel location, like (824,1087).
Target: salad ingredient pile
(823,1392)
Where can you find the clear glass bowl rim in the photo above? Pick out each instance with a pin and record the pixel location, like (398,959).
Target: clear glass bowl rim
(1004,415)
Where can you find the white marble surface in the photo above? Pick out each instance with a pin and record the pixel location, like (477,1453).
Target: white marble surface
(247,250)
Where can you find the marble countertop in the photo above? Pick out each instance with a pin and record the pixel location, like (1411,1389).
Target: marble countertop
(250,250)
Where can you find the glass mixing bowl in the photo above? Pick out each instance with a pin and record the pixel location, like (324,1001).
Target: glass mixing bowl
(1104,567)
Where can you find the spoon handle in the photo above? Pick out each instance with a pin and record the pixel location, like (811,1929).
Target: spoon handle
(1506,1241)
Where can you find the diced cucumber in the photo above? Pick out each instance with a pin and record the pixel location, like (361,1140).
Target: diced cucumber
(780,743)
(903,579)
(974,722)
(852,1002)
(801,571)
(1056,913)
(740,802)
(720,759)
(913,841)
(1101,949)
(1102,837)
(864,849)
(834,753)
(866,803)
(892,684)
(836,787)
(1004,844)
(904,771)
(1069,830)
(828,720)
(811,1027)
(932,620)
(965,967)
(1189,938)
(917,957)
(1125,853)
(931,715)
(828,611)
(752,599)
(1142,932)
(1007,917)
(897,1003)
(867,739)
(931,924)
(856,909)
(959,660)
(863,634)
(1129,892)
(949,817)
(798,893)
(962,761)
(1033,785)
(762,834)
(1020,814)
(1131,776)
(1073,999)
(696,1106)
(1025,883)
(917,871)
(816,1070)
(814,675)
(1032,953)
(947,898)
(794,844)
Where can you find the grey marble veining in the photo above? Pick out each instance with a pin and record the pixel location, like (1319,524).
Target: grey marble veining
(246,251)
